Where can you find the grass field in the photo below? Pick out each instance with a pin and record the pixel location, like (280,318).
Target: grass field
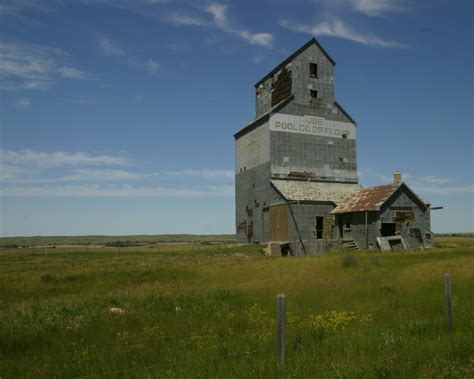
(208,310)
(101,240)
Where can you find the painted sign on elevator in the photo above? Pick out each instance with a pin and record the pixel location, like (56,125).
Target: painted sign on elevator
(312,125)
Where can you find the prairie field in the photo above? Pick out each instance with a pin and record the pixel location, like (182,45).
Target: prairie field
(208,309)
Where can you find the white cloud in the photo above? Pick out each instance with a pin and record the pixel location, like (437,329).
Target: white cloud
(97,190)
(109,48)
(26,66)
(375,7)
(57,159)
(219,14)
(426,184)
(150,65)
(444,190)
(22,103)
(104,175)
(369,8)
(202,173)
(112,49)
(183,19)
(436,180)
(8,172)
(337,28)
(29,166)
(73,73)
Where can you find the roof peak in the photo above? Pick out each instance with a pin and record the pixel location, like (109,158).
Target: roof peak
(312,41)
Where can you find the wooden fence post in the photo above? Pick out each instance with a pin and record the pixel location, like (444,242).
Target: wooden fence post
(449,305)
(281,316)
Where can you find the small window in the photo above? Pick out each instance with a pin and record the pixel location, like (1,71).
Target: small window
(319,227)
(314,94)
(344,135)
(313,70)
(340,160)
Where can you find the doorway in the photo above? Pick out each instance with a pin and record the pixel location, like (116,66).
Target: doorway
(279,223)
(388,229)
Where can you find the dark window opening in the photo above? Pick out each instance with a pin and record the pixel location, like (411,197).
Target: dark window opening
(319,227)
(314,94)
(388,229)
(348,225)
(286,249)
(313,70)
(344,135)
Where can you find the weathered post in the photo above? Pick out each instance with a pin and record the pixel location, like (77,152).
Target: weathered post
(281,316)
(449,305)
(366,231)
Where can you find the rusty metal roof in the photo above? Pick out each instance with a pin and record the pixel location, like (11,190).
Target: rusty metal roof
(367,199)
(372,198)
(294,190)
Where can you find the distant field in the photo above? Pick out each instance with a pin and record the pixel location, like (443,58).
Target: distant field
(208,310)
(100,240)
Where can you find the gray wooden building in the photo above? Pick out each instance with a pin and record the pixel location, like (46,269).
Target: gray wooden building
(296,161)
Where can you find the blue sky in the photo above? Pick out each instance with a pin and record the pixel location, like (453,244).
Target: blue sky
(117,116)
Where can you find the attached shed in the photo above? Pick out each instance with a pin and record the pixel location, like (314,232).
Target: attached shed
(391,215)
(303,213)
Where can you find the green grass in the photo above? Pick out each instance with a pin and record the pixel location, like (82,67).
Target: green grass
(101,240)
(197,310)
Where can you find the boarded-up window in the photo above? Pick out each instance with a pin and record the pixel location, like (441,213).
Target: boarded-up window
(279,223)
(282,87)
(408,216)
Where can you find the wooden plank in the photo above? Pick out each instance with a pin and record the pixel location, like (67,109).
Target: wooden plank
(279,223)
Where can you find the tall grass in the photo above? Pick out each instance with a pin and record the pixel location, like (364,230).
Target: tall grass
(209,311)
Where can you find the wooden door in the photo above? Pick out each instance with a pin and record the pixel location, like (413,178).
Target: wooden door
(279,223)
